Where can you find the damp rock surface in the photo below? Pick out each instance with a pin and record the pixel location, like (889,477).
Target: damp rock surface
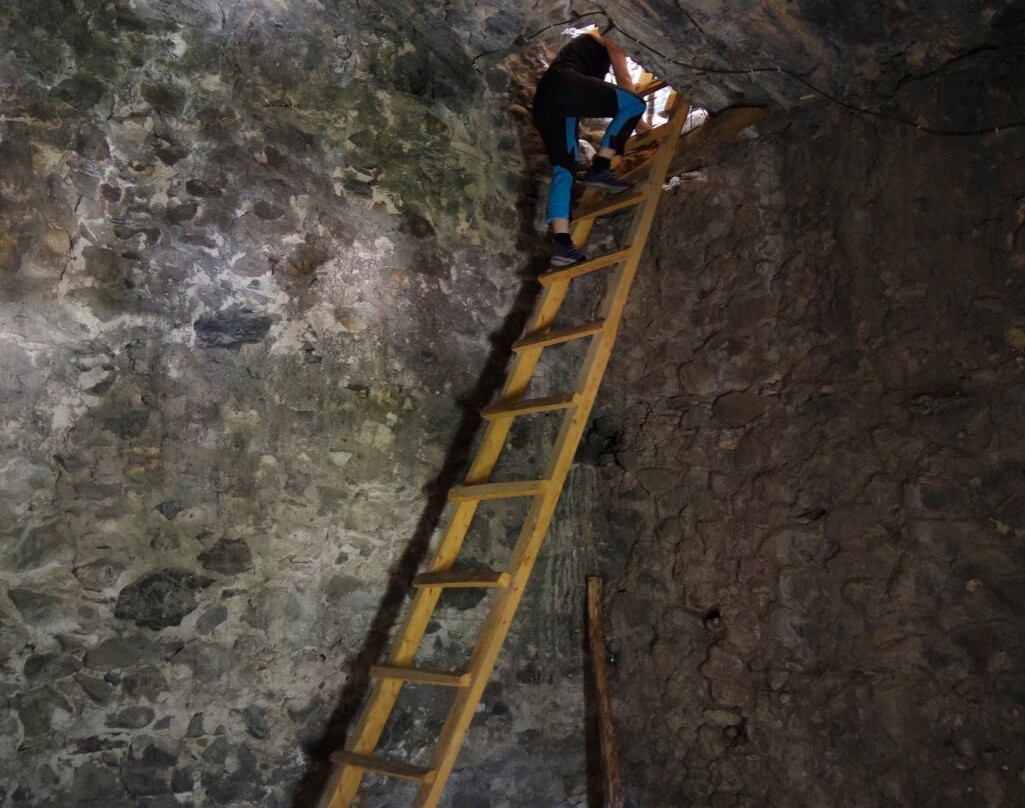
(812,492)
(255,264)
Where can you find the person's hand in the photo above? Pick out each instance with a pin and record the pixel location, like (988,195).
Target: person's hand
(642,126)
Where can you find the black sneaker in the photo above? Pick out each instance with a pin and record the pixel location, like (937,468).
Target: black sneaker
(564,255)
(606,180)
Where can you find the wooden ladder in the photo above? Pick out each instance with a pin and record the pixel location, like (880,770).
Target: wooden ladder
(351,764)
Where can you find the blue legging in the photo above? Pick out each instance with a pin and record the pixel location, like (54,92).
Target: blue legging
(562,97)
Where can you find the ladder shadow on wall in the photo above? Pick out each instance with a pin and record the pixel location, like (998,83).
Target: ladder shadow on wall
(457,458)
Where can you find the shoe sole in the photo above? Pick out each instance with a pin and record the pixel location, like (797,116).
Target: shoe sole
(610,189)
(566,262)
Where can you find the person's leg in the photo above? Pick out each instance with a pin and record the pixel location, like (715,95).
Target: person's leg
(560,99)
(601,175)
(559,134)
(630,109)
(562,176)
(583,96)
(586,96)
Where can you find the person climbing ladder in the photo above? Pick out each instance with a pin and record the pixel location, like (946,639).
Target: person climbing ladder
(574,86)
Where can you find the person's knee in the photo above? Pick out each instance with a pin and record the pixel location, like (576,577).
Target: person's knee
(562,177)
(630,103)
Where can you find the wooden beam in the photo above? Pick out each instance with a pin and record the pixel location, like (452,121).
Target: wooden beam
(527,406)
(548,337)
(718,129)
(513,488)
(469,579)
(386,766)
(613,782)
(422,676)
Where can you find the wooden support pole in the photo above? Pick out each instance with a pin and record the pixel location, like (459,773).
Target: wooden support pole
(609,753)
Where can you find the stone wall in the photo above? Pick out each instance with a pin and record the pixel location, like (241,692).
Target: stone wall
(260,269)
(816,475)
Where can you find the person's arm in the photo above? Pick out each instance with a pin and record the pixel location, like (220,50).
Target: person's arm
(619,68)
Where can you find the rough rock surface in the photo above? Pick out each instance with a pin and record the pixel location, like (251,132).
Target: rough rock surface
(817,445)
(260,264)
(253,258)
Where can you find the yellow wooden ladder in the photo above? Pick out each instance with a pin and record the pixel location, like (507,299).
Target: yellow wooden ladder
(357,759)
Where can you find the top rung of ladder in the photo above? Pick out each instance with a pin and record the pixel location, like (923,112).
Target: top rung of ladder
(649,85)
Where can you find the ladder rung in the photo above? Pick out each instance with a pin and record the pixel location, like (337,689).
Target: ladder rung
(545,338)
(636,144)
(610,204)
(392,768)
(526,406)
(646,140)
(583,267)
(463,580)
(650,87)
(421,676)
(517,488)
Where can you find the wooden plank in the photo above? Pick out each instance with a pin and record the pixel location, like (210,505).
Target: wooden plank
(645,140)
(650,86)
(481,491)
(421,676)
(609,203)
(671,102)
(463,580)
(547,338)
(606,732)
(526,406)
(718,129)
(380,765)
(576,270)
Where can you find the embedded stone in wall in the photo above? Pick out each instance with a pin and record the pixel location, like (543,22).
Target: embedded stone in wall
(232,328)
(231,773)
(97,575)
(211,619)
(36,710)
(255,718)
(122,652)
(35,607)
(99,690)
(35,547)
(228,557)
(95,785)
(134,717)
(161,598)
(148,769)
(48,666)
